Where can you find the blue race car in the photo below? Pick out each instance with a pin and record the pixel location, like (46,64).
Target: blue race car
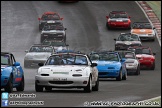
(12,75)
(110,65)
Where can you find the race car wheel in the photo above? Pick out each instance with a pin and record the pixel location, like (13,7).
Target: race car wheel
(25,65)
(119,78)
(38,88)
(129,27)
(48,88)
(9,86)
(153,66)
(125,76)
(96,87)
(40,28)
(42,39)
(116,48)
(108,27)
(21,85)
(88,88)
(138,71)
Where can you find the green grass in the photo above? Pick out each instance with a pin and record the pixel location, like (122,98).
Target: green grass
(156,6)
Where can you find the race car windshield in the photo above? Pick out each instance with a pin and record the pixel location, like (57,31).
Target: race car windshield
(40,49)
(53,27)
(142,26)
(118,15)
(67,59)
(4,60)
(128,37)
(50,17)
(105,57)
(129,55)
(143,51)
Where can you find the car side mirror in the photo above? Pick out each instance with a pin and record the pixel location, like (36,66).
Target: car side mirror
(39,18)
(26,51)
(114,39)
(61,18)
(40,64)
(107,17)
(122,60)
(65,28)
(16,64)
(93,64)
(129,17)
(67,45)
(154,53)
(153,27)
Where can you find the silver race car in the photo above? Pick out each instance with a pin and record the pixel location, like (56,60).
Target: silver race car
(132,63)
(53,30)
(126,40)
(67,70)
(37,53)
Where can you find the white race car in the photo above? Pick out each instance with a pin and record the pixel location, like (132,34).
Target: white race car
(67,70)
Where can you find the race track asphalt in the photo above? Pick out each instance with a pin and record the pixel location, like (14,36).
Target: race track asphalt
(86,30)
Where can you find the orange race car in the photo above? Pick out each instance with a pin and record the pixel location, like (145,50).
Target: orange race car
(144,29)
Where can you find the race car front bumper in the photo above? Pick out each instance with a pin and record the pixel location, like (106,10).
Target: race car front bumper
(4,81)
(108,74)
(146,37)
(62,82)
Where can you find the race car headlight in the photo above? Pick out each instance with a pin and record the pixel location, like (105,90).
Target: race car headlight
(59,35)
(38,72)
(79,70)
(117,67)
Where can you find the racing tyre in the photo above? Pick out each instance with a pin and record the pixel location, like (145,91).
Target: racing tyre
(48,88)
(153,66)
(116,49)
(129,27)
(108,27)
(9,86)
(88,88)
(119,78)
(125,76)
(138,71)
(25,65)
(40,28)
(21,85)
(96,87)
(38,88)
(42,39)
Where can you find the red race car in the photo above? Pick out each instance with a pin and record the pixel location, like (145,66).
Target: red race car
(145,56)
(48,16)
(118,19)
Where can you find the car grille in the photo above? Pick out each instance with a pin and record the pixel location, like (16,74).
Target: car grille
(44,74)
(144,38)
(103,73)
(126,46)
(61,82)
(53,36)
(111,68)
